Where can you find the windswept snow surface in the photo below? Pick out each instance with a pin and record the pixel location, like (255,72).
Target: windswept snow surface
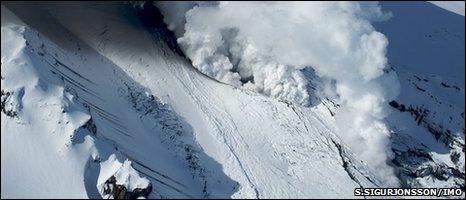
(94,97)
(453,6)
(188,135)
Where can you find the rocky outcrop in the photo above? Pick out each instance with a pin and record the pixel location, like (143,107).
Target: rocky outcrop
(8,108)
(116,191)
(415,162)
(417,166)
(123,181)
(440,133)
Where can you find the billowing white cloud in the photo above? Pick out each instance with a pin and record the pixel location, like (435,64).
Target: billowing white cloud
(263,46)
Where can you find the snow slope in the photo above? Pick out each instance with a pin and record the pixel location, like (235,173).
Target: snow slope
(189,135)
(95,104)
(453,6)
(427,51)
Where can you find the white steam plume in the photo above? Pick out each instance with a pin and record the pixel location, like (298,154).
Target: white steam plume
(263,46)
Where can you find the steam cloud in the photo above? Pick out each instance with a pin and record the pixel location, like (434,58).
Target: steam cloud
(263,46)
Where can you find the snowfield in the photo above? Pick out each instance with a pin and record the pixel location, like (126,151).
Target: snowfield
(99,101)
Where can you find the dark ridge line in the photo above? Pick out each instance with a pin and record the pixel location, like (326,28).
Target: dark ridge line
(113,123)
(168,185)
(72,81)
(110,115)
(77,85)
(158,173)
(120,131)
(346,165)
(116,123)
(63,65)
(152,19)
(74,72)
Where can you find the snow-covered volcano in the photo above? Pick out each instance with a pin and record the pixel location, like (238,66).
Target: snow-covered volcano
(98,100)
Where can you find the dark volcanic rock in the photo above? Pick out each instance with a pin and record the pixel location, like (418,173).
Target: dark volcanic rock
(121,192)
